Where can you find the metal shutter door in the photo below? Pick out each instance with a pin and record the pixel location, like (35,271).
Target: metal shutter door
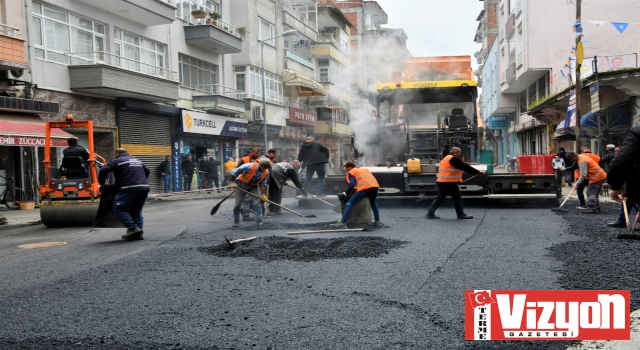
(147,138)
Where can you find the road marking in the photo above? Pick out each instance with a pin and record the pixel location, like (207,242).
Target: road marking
(41,245)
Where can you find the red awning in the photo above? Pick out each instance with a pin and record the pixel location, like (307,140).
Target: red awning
(27,126)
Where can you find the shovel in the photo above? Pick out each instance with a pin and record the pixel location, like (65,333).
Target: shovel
(276,204)
(215,209)
(563,202)
(629,235)
(312,196)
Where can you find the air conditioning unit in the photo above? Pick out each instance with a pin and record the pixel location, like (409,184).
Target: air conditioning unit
(16,74)
(257,113)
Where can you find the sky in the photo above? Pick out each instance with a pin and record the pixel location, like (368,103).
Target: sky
(436,27)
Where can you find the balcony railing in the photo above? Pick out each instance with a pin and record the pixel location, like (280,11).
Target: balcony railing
(510,27)
(326,80)
(220,90)
(101,57)
(299,106)
(501,34)
(519,60)
(330,39)
(299,58)
(286,7)
(511,73)
(9,31)
(503,78)
(519,8)
(220,24)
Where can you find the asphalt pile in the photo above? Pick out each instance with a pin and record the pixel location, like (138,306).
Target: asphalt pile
(307,250)
(273,224)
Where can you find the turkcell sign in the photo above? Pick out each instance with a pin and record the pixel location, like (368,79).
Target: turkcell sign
(547,315)
(212,124)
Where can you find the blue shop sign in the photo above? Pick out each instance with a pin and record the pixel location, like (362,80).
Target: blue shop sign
(498,122)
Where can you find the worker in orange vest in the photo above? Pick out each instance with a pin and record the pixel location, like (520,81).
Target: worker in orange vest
(586,150)
(251,177)
(449,176)
(591,173)
(366,186)
(251,157)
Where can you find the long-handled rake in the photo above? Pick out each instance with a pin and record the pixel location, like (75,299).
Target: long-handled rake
(276,204)
(312,196)
(563,202)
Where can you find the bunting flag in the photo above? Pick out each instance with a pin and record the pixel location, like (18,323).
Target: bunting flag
(620,26)
(599,23)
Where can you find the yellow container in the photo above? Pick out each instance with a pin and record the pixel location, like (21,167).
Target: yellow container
(414,166)
(27,205)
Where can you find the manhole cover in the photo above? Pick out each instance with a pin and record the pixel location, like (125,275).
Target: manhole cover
(285,248)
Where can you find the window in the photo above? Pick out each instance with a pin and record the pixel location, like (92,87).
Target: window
(266,32)
(298,44)
(186,6)
(332,71)
(273,83)
(58,34)
(340,115)
(197,74)
(141,55)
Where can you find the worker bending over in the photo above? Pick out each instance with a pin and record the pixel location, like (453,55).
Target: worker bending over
(366,186)
(449,176)
(589,170)
(280,173)
(250,177)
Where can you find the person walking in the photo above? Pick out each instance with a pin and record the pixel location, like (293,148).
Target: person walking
(229,165)
(252,177)
(449,177)
(573,165)
(366,186)
(313,156)
(210,169)
(280,173)
(624,169)
(188,169)
(591,173)
(164,171)
(131,178)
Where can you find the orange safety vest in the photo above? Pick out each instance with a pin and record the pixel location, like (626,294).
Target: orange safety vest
(246,177)
(364,179)
(448,173)
(576,173)
(594,171)
(246,160)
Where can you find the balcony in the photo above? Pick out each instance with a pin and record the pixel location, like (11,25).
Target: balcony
(12,51)
(501,35)
(298,21)
(110,75)
(510,26)
(377,13)
(330,39)
(146,12)
(219,37)
(219,99)
(511,73)
(503,78)
(326,79)
(520,60)
(519,9)
(299,106)
(332,127)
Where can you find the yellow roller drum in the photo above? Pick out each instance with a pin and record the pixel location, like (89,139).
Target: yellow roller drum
(68,213)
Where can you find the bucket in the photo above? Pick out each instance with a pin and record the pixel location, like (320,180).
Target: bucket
(27,205)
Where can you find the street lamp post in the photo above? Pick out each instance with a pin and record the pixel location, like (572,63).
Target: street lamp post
(264,85)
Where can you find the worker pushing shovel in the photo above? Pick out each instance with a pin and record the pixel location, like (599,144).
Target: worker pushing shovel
(251,178)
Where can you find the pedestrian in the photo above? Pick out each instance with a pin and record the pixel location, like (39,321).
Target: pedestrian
(608,157)
(562,154)
(591,173)
(164,171)
(366,186)
(229,165)
(573,166)
(313,156)
(449,177)
(75,150)
(210,169)
(624,169)
(188,169)
(252,177)
(280,173)
(133,188)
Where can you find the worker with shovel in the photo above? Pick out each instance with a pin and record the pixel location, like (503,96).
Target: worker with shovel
(592,172)
(366,186)
(250,177)
(280,173)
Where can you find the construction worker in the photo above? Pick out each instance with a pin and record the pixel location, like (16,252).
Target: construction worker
(75,150)
(250,177)
(586,150)
(280,173)
(251,157)
(366,186)
(591,171)
(271,155)
(131,178)
(624,169)
(449,176)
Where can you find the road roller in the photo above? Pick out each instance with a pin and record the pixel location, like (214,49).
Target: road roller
(71,195)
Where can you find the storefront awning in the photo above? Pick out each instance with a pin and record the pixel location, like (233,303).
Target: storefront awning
(327,102)
(27,130)
(523,127)
(308,86)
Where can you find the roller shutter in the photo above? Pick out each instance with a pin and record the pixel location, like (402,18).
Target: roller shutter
(148,138)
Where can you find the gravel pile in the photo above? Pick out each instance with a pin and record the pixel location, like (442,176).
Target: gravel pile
(284,248)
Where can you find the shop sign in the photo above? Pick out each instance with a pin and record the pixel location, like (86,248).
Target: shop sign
(211,124)
(302,117)
(30,141)
(259,129)
(177,179)
(497,122)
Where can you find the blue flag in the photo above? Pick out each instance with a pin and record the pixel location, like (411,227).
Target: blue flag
(620,26)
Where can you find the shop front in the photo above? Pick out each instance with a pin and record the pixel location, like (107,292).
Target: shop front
(204,134)
(255,138)
(22,144)
(299,124)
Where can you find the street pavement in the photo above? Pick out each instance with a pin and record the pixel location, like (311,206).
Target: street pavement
(97,291)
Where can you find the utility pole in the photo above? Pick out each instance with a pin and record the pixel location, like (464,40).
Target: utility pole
(579,57)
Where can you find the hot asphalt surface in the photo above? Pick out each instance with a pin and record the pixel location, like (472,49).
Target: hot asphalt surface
(178,288)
